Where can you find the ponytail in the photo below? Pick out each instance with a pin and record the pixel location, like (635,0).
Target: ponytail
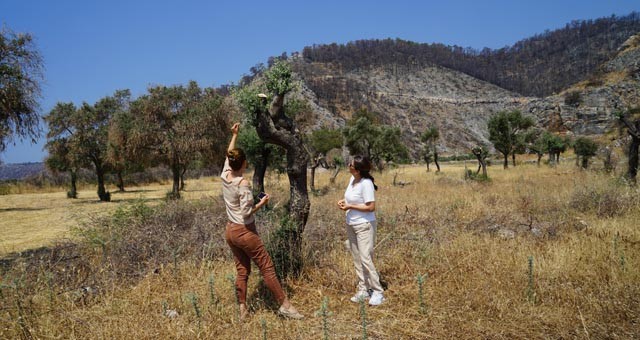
(367,175)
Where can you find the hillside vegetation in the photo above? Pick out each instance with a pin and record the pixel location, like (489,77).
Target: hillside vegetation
(536,252)
(536,66)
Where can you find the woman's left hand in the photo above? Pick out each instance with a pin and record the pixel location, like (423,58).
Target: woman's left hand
(342,204)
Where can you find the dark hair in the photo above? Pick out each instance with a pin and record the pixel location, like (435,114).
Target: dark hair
(236,158)
(363,165)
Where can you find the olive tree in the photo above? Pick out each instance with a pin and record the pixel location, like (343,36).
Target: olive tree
(83,131)
(175,125)
(430,137)
(365,136)
(268,114)
(506,130)
(585,148)
(20,78)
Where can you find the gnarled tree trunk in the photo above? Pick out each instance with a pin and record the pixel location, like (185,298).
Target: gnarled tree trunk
(273,126)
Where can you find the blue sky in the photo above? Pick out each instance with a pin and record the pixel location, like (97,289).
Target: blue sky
(92,48)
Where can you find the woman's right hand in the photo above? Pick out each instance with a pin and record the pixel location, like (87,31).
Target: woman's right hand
(235,128)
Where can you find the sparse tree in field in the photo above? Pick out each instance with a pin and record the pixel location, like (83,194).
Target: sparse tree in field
(430,137)
(120,128)
(60,159)
(85,131)
(506,131)
(365,136)
(275,127)
(630,119)
(555,145)
(320,142)
(536,143)
(585,148)
(481,154)
(176,125)
(20,78)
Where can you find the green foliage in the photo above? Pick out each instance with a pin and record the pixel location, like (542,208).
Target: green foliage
(250,103)
(279,78)
(423,305)
(20,77)
(364,136)
(324,313)
(256,150)
(506,131)
(363,317)
(78,137)
(281,245)
(585,148)
(324,139)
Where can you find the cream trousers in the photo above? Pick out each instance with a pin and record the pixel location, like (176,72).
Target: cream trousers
(362,238)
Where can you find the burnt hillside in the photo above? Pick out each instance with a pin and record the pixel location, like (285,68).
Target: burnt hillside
(537,66)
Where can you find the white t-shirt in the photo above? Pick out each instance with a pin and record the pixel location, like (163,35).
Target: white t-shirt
(360,193)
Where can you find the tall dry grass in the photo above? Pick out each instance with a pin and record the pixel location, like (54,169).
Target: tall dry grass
(471,241)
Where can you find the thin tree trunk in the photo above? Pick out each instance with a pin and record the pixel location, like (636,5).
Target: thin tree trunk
(313,176)
(513,159)
(102,192)
(175,172)
(539,158)
(506,161)
(435,159)
(73,193)
(120,181)
(182,173)
(332,180)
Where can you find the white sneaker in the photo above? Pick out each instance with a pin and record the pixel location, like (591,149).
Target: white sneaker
(376,299)
(360,296)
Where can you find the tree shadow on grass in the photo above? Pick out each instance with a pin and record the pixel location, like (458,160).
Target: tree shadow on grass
(21,209)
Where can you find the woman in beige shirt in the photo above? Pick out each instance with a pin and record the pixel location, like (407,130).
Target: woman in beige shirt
(241,234)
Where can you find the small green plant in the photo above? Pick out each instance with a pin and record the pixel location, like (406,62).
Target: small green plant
(263,323)
(531,295)
(212,291)
(232,280)
(363,316)
(324,314)
(193,298)
(423,305)
(48,276)
(618,253)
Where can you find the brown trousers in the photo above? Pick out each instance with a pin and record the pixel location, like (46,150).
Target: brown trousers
(246,245)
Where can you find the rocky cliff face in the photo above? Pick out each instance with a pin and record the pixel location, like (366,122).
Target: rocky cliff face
(587,107)
(414,98)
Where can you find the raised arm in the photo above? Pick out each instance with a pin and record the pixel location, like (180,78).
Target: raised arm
(234,136)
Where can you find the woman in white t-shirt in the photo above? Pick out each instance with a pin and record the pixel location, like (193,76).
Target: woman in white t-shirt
(360,204)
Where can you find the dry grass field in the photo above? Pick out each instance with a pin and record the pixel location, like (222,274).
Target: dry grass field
(33,219)
(534,253)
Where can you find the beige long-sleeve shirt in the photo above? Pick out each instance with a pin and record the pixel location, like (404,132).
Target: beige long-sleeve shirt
(237,198)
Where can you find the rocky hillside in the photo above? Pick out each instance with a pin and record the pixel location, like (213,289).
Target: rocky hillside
(586,108)
(416,96)
(413,99)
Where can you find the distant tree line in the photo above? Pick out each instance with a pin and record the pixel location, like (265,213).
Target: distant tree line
(177,127)
(536,66)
